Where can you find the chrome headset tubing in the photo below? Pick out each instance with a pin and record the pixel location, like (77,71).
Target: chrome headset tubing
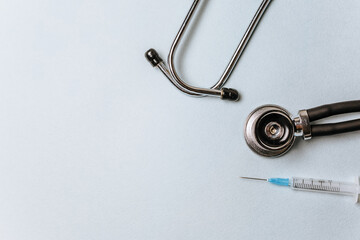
(217,90)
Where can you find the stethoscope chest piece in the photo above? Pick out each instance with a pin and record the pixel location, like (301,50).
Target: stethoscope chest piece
(270,131)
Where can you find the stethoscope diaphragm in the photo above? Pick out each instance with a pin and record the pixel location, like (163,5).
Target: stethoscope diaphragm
(270,131)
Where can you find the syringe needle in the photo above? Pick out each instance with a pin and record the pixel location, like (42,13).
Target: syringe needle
(276,181)
(257,179)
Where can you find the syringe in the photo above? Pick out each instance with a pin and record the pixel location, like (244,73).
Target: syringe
(316,185)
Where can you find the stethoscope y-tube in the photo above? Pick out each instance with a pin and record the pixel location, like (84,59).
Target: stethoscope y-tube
(270,131)
(331,110)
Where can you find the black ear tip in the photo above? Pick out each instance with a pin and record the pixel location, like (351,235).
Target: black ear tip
(230,94)
(150,53)
(153,57)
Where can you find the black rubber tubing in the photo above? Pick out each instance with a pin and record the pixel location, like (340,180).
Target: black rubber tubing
(333,109)
(335,128)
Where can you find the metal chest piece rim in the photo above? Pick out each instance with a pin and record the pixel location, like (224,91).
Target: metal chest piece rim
(269,131)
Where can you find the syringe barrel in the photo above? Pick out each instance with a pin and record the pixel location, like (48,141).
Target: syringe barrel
(322,185)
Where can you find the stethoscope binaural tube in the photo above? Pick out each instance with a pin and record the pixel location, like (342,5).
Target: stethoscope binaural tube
(216,90)
(271,132)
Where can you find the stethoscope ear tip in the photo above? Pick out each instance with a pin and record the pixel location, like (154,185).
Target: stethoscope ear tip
(153,57)
(230,94)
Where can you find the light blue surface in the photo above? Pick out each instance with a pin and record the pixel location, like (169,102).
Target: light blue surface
(96,144)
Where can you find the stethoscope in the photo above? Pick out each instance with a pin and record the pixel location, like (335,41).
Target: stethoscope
(217,90)
(270,131)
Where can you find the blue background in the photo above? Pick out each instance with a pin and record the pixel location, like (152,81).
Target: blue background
(96,144)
